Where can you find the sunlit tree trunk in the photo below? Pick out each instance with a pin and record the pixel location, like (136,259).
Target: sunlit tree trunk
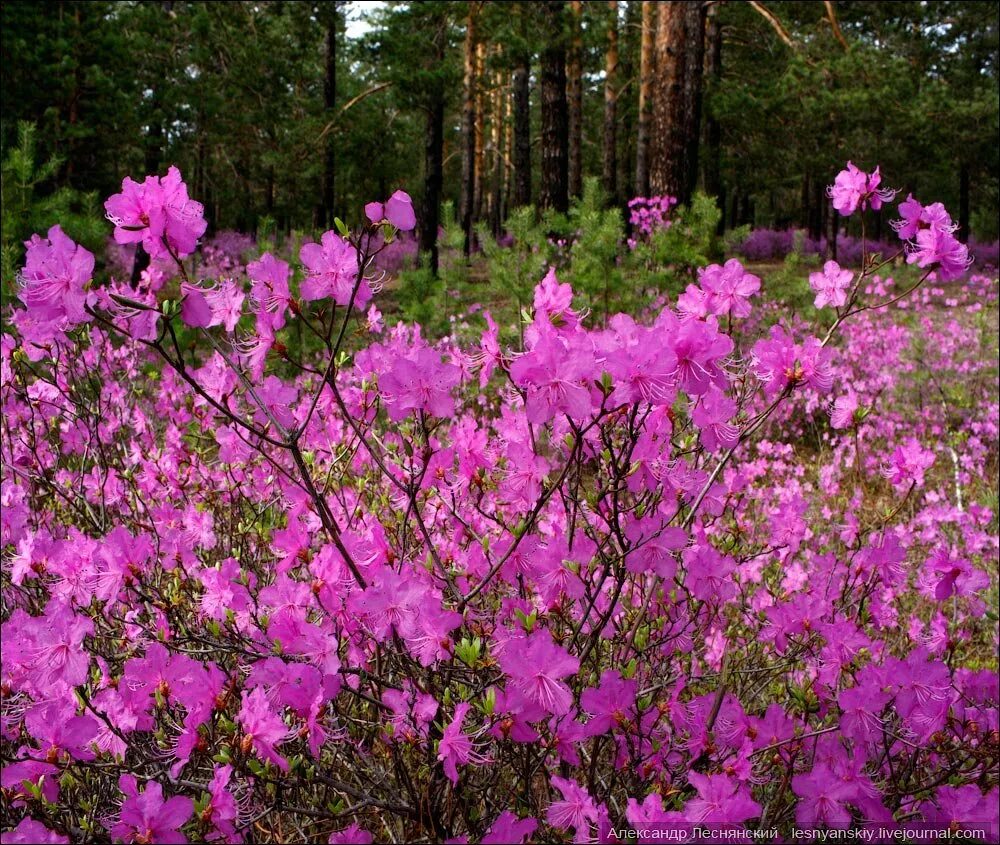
(694,61)
(469,128)
(667,143)
(647,58)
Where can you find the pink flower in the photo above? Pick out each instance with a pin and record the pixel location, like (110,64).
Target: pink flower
(222,811)
(333,272)
(159,214)
(955,576)
(421,381)
(352,835)
(226,304)
(535,665)
(780,363)
(262,728)
(553,374)
(399,211)
(576,810)
(822,796)
(908,463)
(508,829)
(853,188)
(195,310)
(455,748)
(146,817)
(940,247)
(53,281)
(729,288)
(721,800)
(831,285)
(842,413)
(30,832)
(712,415)
(270,294)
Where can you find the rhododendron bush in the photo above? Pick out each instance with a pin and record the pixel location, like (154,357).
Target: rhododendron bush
(544,581)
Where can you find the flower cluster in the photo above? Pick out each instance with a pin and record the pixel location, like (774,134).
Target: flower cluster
(531,581)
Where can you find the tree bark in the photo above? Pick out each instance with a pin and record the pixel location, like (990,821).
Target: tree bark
(496,141)
(522,133)
(469,129)
(647,60)
(711,161)
(574,95)
(555,121)
(668,145)
(433,155)
(480,119)
(694,63)
(610,157)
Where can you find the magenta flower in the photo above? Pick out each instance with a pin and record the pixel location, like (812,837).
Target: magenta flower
(822,799)
(222,811)
(721,800)
(831,285)
(955,576)
(421,381)
(159,214)
(399,211)
(576,810)
(908,463)
(147,818)
(30,832)
(729,288)
(553,374)
(54,279)
(712,415)
(842,413)
(270,293)
(853,189)
(508,829)
(352,835)
(612,704)
(455,748)
(333,272)
(263,729)
(536,665)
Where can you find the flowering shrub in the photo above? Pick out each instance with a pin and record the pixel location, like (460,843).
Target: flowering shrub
(675,570)
(647,214)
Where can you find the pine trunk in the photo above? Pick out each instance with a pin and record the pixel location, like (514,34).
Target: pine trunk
(694,62)
(555,121)
(522,134)
(647,60)
(610,158)
(711,161)
(574,95)
(469,130)
(668,143)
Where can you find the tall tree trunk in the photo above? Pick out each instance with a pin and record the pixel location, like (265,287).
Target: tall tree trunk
(555,128)
(668,142)
(806,199)
(694,62)
(711,160)
(574,94)
(433,155)
(479,121)
(496,139)
(647,62)
(330,103)
(610,158)
(522,133)
(469,129)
